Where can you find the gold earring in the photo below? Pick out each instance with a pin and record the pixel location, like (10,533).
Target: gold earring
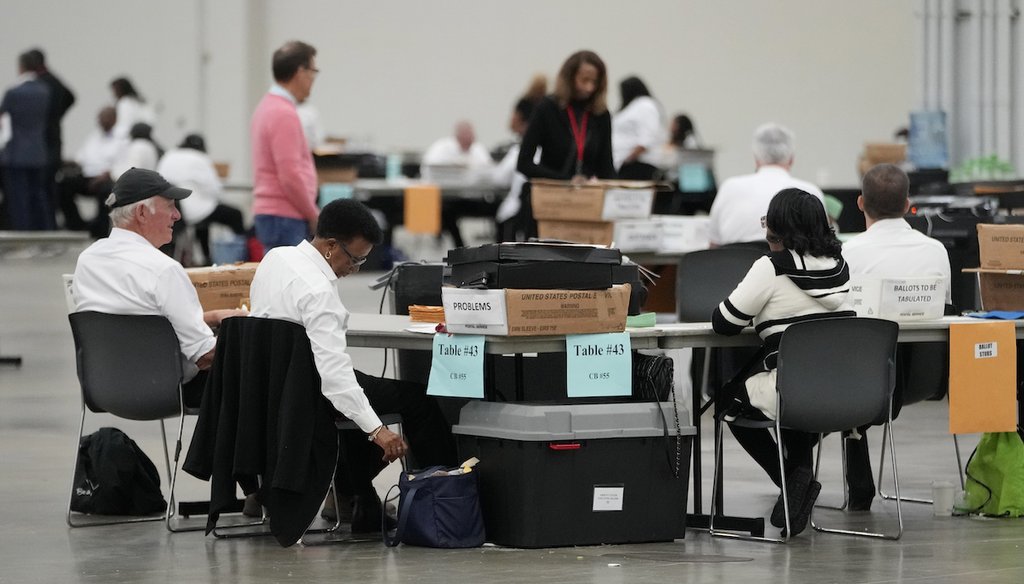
(327,256)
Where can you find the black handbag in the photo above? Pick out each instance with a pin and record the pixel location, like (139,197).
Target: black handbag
(439,508)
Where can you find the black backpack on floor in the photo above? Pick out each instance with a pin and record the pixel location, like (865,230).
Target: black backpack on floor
(115,477)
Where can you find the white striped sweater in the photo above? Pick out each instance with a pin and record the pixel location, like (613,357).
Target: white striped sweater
(780,289)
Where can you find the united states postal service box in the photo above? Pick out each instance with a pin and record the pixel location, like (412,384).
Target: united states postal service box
(592,232)
(515,312)
(592,201)
(899,299)
(1001,247)
(225,286)
(1000,289)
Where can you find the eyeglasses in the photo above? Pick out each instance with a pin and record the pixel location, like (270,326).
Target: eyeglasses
(356,260)
(764,221)
(313,70)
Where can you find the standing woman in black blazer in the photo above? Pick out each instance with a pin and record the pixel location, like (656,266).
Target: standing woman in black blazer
(572,128)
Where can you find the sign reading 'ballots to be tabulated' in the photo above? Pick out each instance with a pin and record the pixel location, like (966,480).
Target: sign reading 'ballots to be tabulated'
(457,366)
(598,365)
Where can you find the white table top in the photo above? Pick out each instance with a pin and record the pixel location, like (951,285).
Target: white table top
(374,330)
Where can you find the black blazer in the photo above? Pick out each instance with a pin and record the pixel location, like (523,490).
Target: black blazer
(263,416)
(550,130)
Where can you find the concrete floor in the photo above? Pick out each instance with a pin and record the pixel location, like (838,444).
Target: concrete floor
(39,408)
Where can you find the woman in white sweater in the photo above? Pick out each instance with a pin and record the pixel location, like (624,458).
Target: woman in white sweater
(803,278)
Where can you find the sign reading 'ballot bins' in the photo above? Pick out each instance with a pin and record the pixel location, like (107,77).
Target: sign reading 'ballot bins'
(513,312)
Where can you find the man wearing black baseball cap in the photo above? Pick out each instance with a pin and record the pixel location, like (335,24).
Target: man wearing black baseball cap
(126,273)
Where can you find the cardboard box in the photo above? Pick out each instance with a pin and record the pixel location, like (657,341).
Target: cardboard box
(592,232)
(596,201)
(1000,289)
(344,174)
(1001,247)
(882,152)
(223,286)
(513,312)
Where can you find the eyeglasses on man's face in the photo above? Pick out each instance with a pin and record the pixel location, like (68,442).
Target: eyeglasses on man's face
(764,221)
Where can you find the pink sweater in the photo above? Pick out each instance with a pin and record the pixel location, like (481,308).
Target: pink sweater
(284,178)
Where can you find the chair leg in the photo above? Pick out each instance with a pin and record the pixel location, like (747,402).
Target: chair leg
(896,482)
(714,501)
(846,487)
(925,501)
(328,531)
(172,509)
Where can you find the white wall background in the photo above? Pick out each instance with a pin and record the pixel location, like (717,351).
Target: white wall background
(398,74)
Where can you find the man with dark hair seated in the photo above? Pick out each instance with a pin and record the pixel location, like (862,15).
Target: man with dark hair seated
(297,283)
(889,248)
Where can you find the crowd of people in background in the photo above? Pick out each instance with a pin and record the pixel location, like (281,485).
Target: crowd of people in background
(43,191)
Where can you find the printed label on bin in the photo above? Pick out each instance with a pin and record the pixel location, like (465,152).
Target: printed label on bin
(471,311)
(899,299)
(598,365)
(457,366)
(608,497)
(627,204)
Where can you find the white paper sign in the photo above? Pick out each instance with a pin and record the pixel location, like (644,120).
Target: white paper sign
(627,204)
(608,498)
(986,350)
(900,299)
(913,298)
(477,312)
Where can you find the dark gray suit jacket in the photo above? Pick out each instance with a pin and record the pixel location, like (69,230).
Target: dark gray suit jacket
(28,106)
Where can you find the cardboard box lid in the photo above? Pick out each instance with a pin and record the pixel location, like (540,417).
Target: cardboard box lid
(543,423)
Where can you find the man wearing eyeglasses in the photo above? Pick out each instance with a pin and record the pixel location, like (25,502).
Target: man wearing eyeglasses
(284,177)
(297,283)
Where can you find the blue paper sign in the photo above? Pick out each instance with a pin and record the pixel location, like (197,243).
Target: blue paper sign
(694,178)
(598,365)
(457,367)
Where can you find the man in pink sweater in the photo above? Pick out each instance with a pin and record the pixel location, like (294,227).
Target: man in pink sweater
(284,178)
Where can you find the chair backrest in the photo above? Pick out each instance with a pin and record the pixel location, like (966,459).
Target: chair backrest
(836,374)
(128,365)
(707,277)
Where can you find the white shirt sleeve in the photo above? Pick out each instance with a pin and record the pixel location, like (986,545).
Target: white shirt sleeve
(754,291)
(178,301)
(326,320)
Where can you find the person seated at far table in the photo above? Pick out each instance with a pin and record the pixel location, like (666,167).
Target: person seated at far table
(741,200)
(889,248)
(298,284)
(459,150)
(126,273)
(803,278)
(95,160)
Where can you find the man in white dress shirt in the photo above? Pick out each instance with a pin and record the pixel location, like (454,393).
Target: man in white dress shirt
(299,284)
(96,158)
(126,273)
(889,248)
(742,201)
(459,150)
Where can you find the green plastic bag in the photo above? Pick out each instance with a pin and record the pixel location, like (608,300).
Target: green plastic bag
(995,477)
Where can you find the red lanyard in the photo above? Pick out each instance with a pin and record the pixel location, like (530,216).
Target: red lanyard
(579,132)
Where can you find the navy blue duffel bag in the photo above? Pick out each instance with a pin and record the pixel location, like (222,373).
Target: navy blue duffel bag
(439,508)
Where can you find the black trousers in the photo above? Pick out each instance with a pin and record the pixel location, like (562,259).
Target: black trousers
(760,444)
(73,185)
(428,434)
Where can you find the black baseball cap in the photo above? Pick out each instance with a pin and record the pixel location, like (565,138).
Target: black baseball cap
(139,184)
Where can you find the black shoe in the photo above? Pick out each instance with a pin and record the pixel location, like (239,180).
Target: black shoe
(799,523)
(730,412)
(366,515)
(797,484)
(252,507)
